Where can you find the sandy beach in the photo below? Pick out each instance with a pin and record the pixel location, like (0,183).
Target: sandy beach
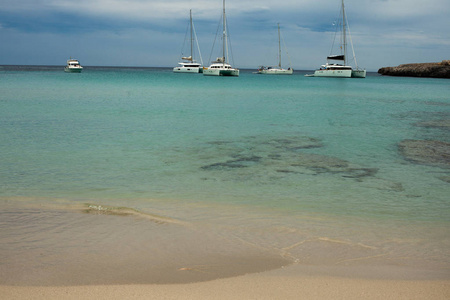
(124,254)
(278,284)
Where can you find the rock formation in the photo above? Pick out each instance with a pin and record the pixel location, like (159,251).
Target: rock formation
(435,70)
(435,153)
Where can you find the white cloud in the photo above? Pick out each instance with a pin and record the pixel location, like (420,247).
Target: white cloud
(161,9)
(391,9)
(174,9)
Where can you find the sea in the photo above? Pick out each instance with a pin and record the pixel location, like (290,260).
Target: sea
(142,175)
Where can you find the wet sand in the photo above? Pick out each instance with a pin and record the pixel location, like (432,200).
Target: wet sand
(92,251)
(279,284)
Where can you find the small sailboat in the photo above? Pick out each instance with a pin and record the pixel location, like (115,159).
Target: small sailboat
(342,69)
(189,65)
(276,70)
(221,67)
(73,66)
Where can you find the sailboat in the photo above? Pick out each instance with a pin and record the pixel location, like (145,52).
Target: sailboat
(220,67)
(276,70)
(189,65)
(341,69)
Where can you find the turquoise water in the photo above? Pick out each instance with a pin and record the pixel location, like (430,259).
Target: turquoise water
(291,145)
(142,133)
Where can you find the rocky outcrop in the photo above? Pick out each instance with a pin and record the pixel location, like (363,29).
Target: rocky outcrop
(435,70)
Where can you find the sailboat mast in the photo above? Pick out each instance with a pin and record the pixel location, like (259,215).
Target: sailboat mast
(279,46)
(224,38)
(190,17)
(344,32)
(190,22)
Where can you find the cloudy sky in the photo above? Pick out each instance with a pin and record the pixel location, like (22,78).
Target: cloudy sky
(152,32)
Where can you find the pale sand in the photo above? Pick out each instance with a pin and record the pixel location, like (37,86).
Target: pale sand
(266,278)
(247,287)
(277,284)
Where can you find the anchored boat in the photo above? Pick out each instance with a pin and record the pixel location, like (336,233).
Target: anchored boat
(189,65)
(73,66)
(276,70)
(340,67)
(220,67)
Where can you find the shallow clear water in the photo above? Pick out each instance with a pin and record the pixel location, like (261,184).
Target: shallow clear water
(287,146)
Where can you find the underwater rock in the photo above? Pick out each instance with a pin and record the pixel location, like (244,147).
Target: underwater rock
(241,162)
(445,178)
(443,124)
(327,164)
(296,143)
(360,172)
(318,162)
(249,151)
(426,152)
(384,185)
(262,157)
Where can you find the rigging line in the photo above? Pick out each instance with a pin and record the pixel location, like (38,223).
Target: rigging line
(231,48)
(337,25)
(351,43)
(334,39)
(198,47)
(285,49)
(184,42)
(215,38)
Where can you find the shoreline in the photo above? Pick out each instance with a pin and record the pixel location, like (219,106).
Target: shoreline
(95,245)
(283,283)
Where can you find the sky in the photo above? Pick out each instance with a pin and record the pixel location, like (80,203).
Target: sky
(151,33)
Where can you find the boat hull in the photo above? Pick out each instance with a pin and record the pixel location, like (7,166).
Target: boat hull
(359,73)
(188,70)
(276,72)
(333,73)
(220,72)
(73,70)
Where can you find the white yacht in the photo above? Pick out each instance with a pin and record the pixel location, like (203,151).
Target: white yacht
(220,67)
(73,66)
(189,65)
(334,69)
(342,69)
(276,70)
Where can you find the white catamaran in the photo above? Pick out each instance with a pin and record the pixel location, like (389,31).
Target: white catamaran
(336,69)
(189,65)
(276,70)
(220,67)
